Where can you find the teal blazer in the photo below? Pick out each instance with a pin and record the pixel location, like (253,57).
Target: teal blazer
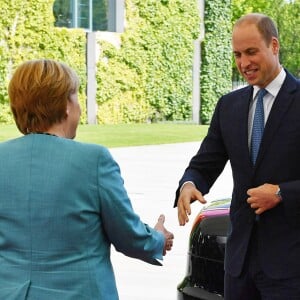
(62,205)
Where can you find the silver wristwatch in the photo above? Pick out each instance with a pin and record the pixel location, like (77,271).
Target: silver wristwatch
(278,193)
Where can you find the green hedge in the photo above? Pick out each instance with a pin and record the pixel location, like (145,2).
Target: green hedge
(27,32)
(216,55)
(148,79)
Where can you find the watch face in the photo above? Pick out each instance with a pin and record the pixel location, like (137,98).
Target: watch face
(278,193)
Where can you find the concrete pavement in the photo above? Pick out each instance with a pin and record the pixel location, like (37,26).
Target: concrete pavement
(151,175)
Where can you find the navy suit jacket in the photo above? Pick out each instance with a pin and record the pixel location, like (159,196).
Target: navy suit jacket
(62,205)
(278,162)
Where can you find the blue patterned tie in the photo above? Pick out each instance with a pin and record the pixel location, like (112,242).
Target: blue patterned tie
(258,125)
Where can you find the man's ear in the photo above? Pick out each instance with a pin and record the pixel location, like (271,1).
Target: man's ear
(275,45)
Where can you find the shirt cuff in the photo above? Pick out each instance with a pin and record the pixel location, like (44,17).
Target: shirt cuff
(185,184)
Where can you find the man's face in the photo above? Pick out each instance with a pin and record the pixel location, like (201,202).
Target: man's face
(256,61)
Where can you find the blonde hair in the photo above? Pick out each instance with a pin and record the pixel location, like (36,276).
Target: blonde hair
(39,91)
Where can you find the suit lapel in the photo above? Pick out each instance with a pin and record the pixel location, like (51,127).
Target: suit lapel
(279,109)
(242,123)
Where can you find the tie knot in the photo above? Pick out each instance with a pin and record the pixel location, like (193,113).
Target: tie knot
(261,93)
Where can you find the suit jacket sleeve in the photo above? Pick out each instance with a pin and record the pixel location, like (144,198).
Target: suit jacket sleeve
(210,160)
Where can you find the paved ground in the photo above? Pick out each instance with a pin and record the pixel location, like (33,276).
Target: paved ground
(151,175)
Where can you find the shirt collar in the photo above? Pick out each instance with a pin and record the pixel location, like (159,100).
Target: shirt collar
(274,86)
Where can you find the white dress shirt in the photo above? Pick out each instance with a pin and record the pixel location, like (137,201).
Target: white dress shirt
(272,89)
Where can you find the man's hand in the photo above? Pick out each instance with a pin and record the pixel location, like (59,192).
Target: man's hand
(263,197)
(188,194)
(168,235)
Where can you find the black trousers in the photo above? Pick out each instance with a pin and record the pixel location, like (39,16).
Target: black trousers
(254,284)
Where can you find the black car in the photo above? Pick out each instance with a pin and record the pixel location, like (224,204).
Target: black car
(205,267)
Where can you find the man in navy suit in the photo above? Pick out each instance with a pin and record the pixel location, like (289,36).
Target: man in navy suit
(263,247)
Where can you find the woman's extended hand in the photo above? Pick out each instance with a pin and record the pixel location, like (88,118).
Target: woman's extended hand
(169,236)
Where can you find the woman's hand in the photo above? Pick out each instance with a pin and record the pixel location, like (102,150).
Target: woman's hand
(169,237)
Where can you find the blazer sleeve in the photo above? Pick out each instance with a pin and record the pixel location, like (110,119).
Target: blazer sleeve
(122,225)
(208,163)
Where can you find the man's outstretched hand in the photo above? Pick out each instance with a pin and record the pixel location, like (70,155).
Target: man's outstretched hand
(188,194)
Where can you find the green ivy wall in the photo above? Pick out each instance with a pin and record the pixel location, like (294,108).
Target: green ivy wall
(148,78)
(27,32)
(216,54)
